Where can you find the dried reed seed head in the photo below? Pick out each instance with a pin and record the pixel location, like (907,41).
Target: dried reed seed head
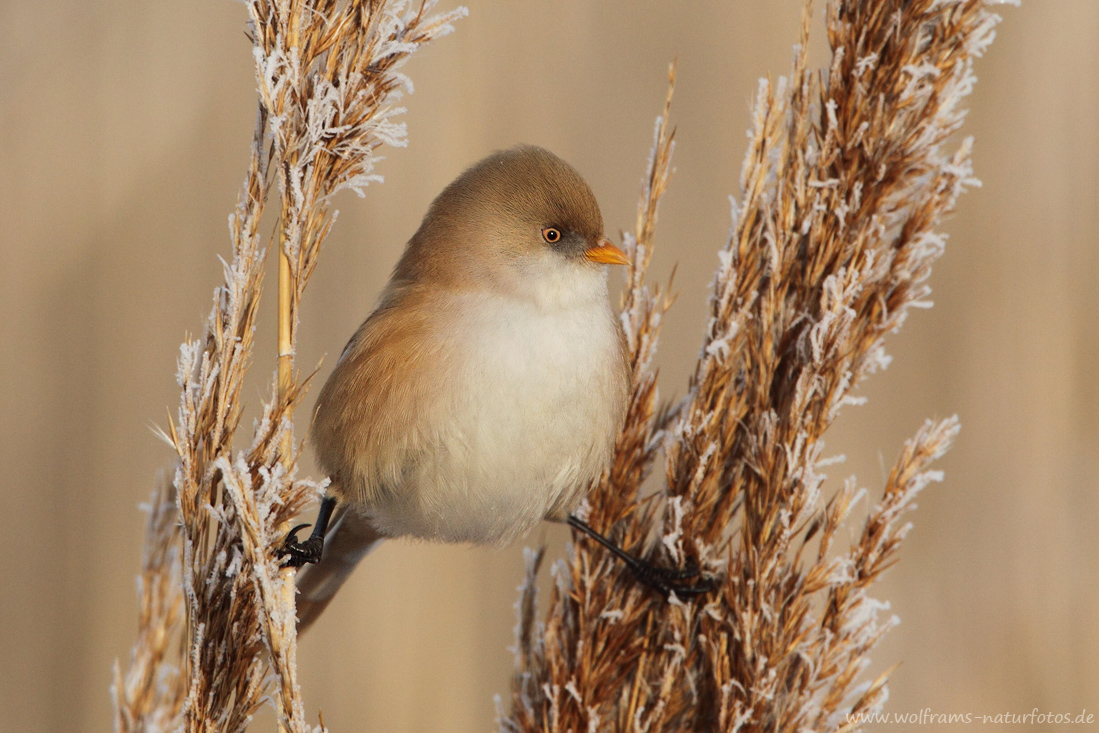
(833,237)
(327,81)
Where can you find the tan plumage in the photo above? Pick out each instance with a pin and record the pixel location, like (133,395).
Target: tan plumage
(486,390)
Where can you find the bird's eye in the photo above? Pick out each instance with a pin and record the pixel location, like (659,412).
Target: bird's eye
(551,235)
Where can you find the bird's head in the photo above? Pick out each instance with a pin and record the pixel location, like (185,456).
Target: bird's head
(521,219)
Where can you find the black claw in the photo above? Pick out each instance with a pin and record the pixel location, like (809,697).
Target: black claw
(672,580)
(292,536)
(297,553)
(674,574)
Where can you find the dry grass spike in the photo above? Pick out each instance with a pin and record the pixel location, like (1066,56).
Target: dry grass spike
(328,83)
(834,233)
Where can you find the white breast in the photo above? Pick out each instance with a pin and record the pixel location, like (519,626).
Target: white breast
(528,418)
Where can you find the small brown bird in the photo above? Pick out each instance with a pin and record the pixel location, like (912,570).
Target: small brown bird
(485,392)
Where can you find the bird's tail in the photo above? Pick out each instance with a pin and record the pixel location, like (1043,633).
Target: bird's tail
(349,539)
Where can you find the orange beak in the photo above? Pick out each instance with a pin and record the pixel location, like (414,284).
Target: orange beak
(606,253)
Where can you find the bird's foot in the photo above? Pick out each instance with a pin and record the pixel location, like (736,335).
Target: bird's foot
(296,553)
(685,582)
(688,582)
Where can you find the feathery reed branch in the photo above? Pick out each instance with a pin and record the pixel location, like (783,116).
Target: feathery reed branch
(833,238)
(327,77)
(151,695)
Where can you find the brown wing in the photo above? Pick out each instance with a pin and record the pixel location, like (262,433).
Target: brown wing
(375,412)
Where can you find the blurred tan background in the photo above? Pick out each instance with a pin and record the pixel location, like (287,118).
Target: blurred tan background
(125,129)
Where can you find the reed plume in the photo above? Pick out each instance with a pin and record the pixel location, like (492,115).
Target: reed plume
(151,695)
(327,77)
(846,179)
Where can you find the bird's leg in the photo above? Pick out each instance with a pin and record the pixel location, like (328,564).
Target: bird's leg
(664,580)
(302,553)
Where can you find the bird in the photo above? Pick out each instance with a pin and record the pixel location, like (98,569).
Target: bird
(486,390)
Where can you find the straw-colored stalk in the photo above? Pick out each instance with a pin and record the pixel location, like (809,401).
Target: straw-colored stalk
(285,377)
(844,183)
(327,77)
